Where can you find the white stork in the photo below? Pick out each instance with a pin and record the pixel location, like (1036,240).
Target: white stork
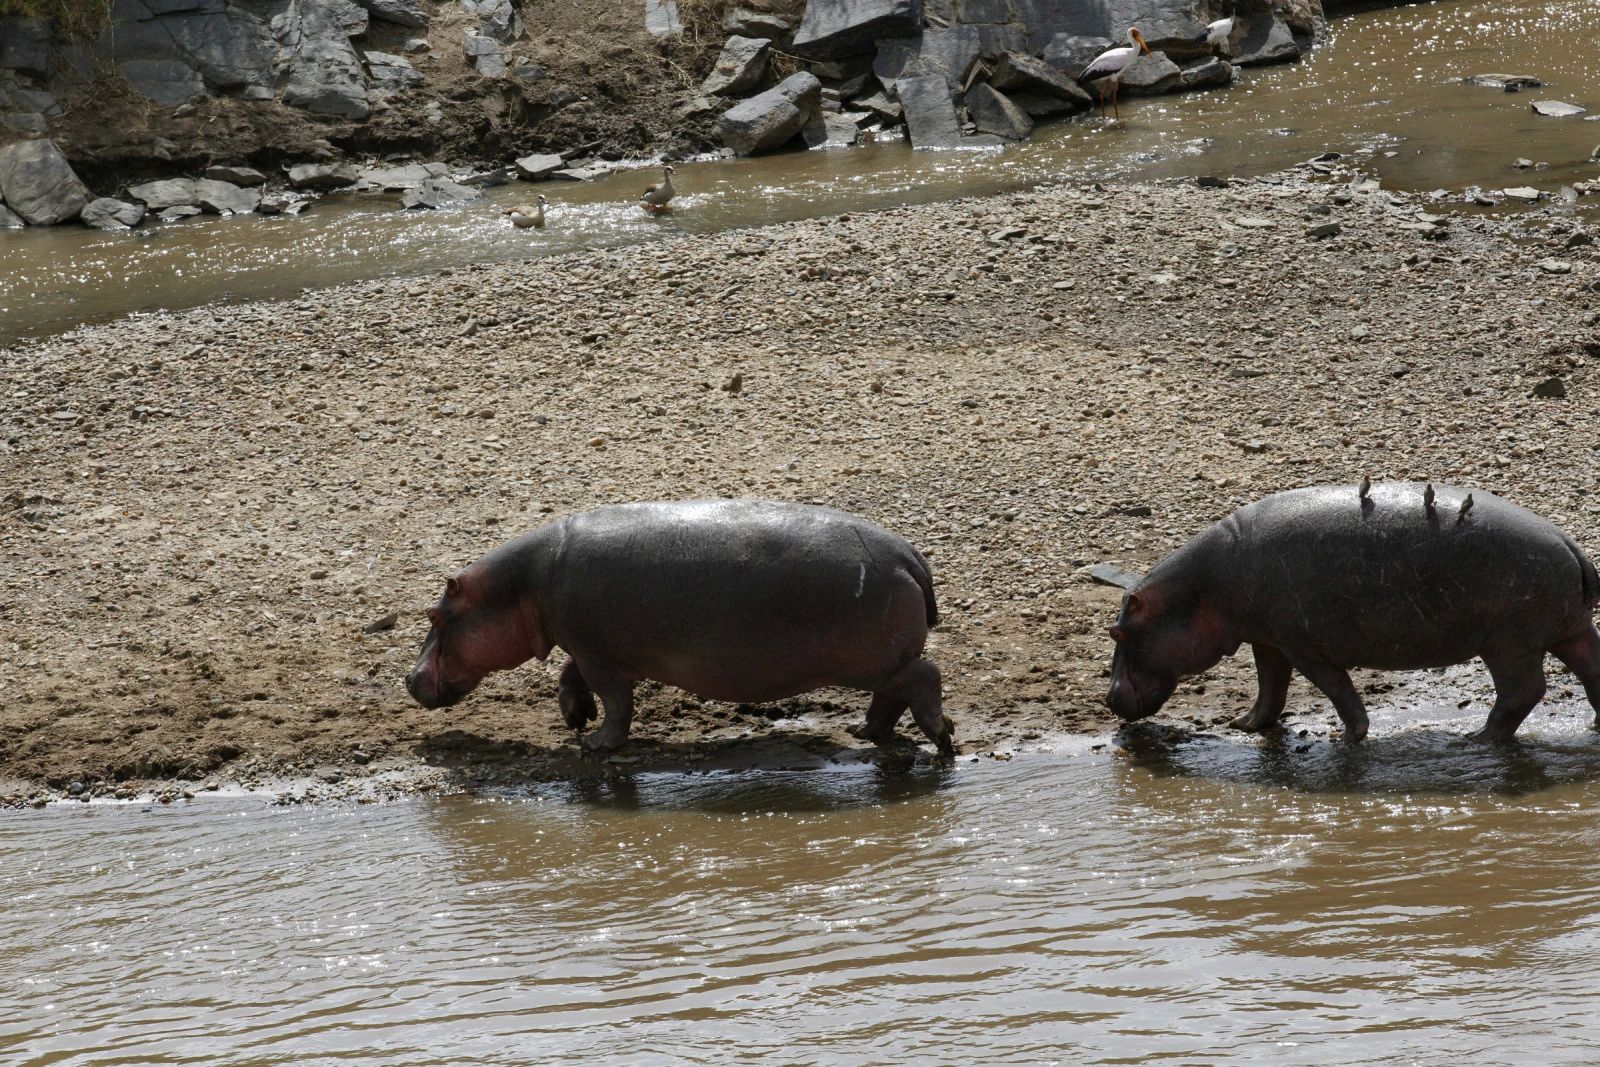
(1109,65)
(1216,33)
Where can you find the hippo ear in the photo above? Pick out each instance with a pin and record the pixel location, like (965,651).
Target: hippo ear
(451,587)
(1135,603)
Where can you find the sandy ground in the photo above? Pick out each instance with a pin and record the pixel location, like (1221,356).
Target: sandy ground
(200,514)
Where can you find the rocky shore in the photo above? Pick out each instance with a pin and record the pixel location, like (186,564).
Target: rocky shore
(218,528)
(191,106)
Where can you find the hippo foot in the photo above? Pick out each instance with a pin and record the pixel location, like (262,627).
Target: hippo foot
(865,733)
(599,742)
(1253,722)
(1490,736)
(947,739)
(577,709)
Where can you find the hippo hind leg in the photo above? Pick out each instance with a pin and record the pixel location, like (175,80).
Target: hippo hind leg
(1581,654)
(1518,687)
(916,685)
(882,715)
(576,698)
(1336,685)
(1272,690)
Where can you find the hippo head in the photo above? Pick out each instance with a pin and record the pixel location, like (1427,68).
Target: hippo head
(1162,636)
(478,626)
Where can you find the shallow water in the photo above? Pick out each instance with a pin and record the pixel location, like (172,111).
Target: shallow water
(1416,900)
(1384,82)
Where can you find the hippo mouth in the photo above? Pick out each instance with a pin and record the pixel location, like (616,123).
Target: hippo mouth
(1132,702)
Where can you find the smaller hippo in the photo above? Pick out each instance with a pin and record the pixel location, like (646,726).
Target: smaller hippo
(737,600)
(1395,576)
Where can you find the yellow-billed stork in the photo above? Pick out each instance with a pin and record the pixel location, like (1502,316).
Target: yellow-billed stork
(1109,65)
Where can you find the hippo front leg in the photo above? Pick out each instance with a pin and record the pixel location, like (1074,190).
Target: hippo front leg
(1336,685)
(617,696)
(575,698)
(1272,690)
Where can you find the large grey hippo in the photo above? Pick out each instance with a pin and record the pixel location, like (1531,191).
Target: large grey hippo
(1397,576)
(738,600)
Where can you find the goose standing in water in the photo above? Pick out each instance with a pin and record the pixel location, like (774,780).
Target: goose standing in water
(522,217)
(656,197)
(1108,66)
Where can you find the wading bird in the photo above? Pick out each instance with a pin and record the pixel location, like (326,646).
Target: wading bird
(656,197)
(523,217)
(1216,33)
(1109,65)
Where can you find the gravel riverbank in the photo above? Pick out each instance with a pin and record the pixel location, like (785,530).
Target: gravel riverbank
(201,514)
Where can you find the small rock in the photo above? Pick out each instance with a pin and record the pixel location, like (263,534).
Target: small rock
(1523,193)
(734,384)
(1556,109)
(1211,181)
(1254,222)
(108,214)
(1550,389)
(1326,229)
(378,626)
(1109,574)
(1555,266)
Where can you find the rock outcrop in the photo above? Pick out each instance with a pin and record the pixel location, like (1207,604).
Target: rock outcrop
(772,119)
(39,185)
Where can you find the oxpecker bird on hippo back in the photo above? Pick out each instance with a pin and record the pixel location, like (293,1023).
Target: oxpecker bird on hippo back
(1393,576)
(737,600)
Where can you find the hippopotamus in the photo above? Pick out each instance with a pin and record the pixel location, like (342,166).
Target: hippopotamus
(1394,576)
(736,600)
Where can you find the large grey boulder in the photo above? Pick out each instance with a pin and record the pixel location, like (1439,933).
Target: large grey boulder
(439,192)
(949,52)
(496,18)
(661,18)
(931,115)
(772,119)
(881,107)
(399,12)
(10,220)
(391,74)
(321,177)
(486,55)
(108,214)
(1266,39)
(829,129)
(1037,87)
(1207,74)
(25,46)
(326,77)
(399,179)
(169,192)
(1070,53)
(835,28)
(748,22)
(993,112)
(1150,75)
(225,198)
(38,183)
(247,177)
(538,167)
(741,66)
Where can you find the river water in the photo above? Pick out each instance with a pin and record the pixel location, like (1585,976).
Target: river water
(1415,900)
(1385,82)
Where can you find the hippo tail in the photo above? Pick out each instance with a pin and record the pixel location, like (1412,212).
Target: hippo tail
(924,578)
(1591,580)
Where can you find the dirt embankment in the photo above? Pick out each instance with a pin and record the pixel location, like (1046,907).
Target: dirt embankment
(604,83)
(199,513)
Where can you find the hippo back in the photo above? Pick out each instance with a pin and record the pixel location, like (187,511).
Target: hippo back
(1392,581)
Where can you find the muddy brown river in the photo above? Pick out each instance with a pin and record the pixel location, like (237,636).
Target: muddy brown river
(1415,900)
(1386,87)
